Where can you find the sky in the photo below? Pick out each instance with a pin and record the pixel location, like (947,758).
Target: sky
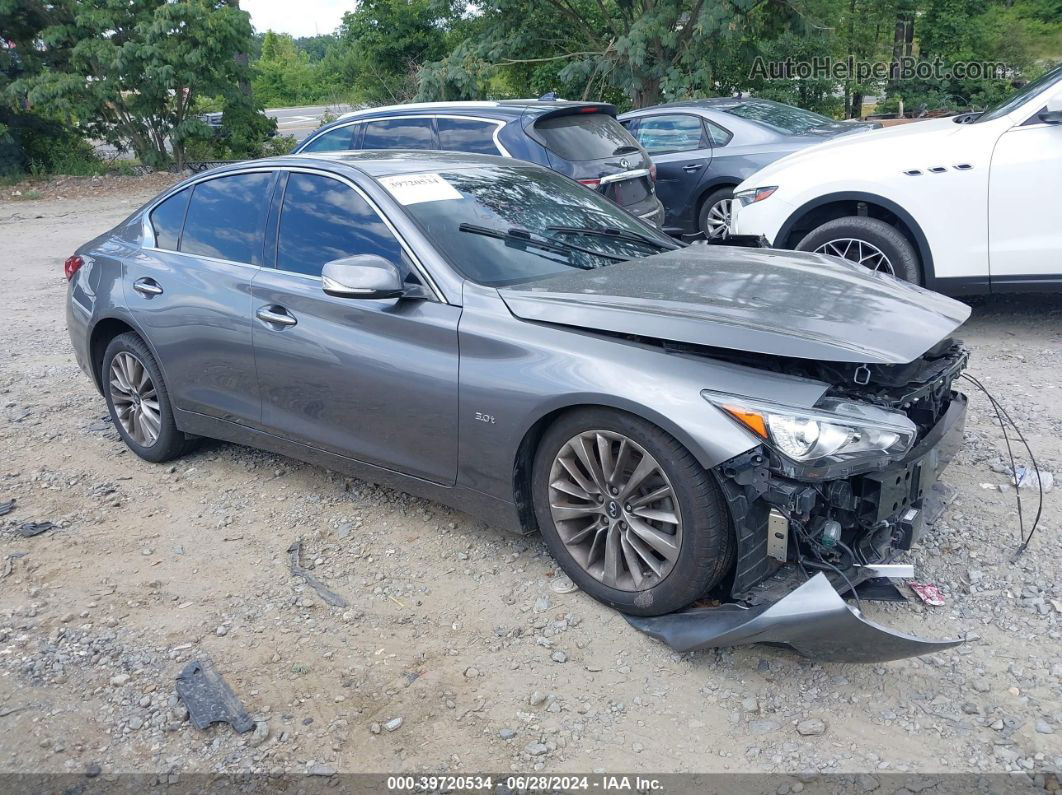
(297,17)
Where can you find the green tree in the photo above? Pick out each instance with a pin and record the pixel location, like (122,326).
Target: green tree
(383,45)
(283,75)
(136,67)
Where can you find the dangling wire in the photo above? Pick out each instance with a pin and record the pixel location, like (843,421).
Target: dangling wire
(1001,415)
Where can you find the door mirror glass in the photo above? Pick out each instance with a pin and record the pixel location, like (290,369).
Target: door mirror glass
(362,276)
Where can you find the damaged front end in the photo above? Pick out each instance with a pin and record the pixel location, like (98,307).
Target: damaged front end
(829,499)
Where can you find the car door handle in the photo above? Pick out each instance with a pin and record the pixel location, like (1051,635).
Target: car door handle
(147,287)
(689,168)
(276,315)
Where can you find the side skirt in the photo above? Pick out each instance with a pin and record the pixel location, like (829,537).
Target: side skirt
(491,510)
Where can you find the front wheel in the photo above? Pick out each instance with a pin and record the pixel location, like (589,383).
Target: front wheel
(869,242)
(628,513)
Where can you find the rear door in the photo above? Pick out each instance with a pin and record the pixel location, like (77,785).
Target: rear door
(374,380)
(191,292)
(680,147)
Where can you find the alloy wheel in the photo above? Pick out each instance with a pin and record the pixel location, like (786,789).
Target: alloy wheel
(615,510)
(135,401)
(717,221)
(860,252)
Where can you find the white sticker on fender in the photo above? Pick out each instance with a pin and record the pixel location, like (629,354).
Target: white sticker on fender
(416,188)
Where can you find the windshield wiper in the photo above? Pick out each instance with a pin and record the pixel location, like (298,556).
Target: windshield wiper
(524,237)
(621,234)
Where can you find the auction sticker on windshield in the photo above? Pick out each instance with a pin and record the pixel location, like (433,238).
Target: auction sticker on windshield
(416,188)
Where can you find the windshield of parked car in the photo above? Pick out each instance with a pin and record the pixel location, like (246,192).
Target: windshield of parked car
(500,225)
(1030,90)
(785,118)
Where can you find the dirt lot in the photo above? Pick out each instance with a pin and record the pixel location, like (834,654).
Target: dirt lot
(452,630)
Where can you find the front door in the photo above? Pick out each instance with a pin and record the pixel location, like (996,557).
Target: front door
(191,292)
(1024,211)
(374,380)
(681,150)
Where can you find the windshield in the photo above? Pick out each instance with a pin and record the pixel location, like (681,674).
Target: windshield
(786,118)
(543,206)
(1028,92)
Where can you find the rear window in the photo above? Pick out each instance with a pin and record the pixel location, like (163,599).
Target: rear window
(226,218)
(785,118)
(167,218)
(467,135)
(585,136)
(398,134)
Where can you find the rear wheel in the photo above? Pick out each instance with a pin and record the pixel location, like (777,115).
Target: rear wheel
(714,219)
(869,242)
(629,513)
(139,402)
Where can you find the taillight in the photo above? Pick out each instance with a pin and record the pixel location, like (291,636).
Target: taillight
(71,266)
(652,171)
(590,183)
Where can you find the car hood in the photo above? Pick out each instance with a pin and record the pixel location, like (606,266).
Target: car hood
(908,145)
(802,305)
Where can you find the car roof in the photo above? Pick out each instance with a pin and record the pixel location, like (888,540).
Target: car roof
(502,108)
(388,162)
(709,103)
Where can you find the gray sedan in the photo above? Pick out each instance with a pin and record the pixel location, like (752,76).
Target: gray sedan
(704,148)
(678,421)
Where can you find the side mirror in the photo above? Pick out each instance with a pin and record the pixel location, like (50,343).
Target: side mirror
(1052,114)
(362,276)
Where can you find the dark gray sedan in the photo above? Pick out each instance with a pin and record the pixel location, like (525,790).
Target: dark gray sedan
(676,420)
(704,148)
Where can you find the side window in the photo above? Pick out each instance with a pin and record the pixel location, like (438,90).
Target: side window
(467,135)
(398,134)
(322,219)
(226,217)
(719,136)
(678,132)
(335,140)
(167,219)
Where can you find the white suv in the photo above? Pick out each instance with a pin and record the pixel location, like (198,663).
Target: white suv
(968,204)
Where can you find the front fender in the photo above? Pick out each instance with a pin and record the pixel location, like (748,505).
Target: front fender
(515,372)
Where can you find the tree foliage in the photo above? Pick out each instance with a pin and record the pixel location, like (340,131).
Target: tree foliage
(132,70)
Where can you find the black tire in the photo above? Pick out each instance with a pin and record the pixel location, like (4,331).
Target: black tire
(171,442)
(709,202)
(705,551)
(888,239)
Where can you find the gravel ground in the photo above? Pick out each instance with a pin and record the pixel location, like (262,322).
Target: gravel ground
(454,653)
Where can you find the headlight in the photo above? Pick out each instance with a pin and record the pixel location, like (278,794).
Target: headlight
(753,195)
(837,430)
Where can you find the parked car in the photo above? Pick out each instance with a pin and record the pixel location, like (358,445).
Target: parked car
(703,148)
(581,140)
(967,204)
(491,335)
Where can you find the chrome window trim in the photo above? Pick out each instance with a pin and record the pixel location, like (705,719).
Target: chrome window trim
(498,124)
(418,266)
